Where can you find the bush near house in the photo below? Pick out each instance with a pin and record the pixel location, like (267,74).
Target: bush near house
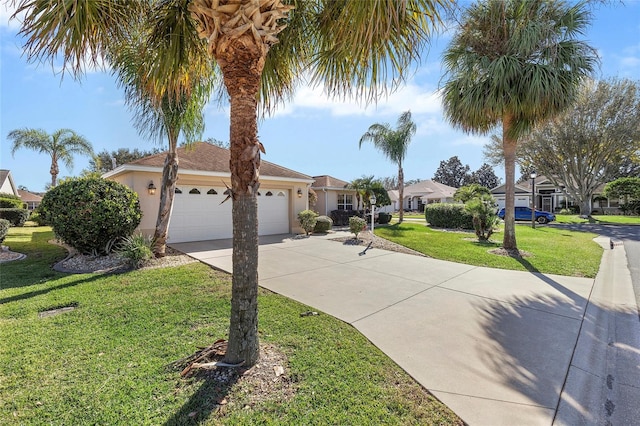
(448,215)
(91,214)
(17,217)
(307,219)
(384,218)
(4,229)
(357,225)
(323,224)
(341,217)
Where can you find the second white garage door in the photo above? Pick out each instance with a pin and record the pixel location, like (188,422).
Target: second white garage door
(199,215)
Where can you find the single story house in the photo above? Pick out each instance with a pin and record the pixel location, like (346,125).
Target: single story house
(30,199)
(7,186)
(551,198)
(425,192)
(199,212)
(333,194)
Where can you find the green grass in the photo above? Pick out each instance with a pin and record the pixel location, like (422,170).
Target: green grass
(553,250)
(600,219)
(109,360)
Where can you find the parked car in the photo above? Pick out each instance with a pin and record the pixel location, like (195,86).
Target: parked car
(524,213)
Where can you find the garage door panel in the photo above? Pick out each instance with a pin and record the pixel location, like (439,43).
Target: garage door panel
(197,217)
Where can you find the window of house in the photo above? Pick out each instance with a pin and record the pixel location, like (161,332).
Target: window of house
(212,192)
(345,202)
(194,191)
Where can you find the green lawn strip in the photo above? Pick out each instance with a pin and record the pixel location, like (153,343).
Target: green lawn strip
(601,219)
(109,360)
(554,251)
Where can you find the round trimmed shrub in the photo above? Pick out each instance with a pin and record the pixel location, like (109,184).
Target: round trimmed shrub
(91,214)
(384,218)
(323,224)
(17,217)
(4,229)
(307,219)
(448,215)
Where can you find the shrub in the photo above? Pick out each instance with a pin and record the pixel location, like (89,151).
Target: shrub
(357,225)
(446,215)
(308,219)
(4,229)
(17,217)
(138,249)
(565,211)
(91,214)
(11,203)
(341,217)
(483,209)
(37,218)
(384,218)
(323,224)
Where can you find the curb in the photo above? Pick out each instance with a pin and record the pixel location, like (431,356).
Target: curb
(603,381)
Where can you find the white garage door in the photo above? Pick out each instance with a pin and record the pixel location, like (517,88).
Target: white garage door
(198,215)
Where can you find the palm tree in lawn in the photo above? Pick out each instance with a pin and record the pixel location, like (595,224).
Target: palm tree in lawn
(352,48)
(518,63)
(394,144)
(158,113)
(61,145)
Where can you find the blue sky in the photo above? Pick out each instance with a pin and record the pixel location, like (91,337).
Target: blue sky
(310,134)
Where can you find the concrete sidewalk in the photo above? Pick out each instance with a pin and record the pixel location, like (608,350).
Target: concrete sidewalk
(495,346)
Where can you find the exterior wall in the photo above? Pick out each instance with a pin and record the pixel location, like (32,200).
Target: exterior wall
(139,182)
(328,200)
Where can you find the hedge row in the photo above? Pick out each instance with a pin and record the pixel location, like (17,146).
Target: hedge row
(448,215)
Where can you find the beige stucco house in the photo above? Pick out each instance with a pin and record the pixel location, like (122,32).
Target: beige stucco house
(333,194)
(416,196)
(199,212)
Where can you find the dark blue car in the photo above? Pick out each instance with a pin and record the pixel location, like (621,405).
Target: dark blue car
(524,213)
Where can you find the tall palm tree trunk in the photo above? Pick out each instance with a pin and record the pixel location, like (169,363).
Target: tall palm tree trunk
(167,193)
(54,170)
(509,147)
(401,192)
(241,62)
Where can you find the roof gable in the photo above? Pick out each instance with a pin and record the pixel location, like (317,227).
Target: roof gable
(326,181)
(430,189)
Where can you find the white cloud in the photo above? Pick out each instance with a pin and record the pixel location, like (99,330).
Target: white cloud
(7,9)
(471,140)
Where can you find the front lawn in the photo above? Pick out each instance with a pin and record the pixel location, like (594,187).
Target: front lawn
(553,251)
(109,361)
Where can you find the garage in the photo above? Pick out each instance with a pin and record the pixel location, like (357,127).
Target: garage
(200,214)
(203,178)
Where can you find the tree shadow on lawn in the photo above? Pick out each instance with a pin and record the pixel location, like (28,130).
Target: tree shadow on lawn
(35,293)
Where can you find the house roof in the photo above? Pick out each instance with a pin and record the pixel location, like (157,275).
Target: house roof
(428,189)
(205,157)
(326,181)
(519,189)
(5,178)
(28,196)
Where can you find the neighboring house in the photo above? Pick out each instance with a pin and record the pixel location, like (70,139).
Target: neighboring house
(6,183)
(333,194)
(199,212)
(425,192)
(394,196)
(522,195)
(550,198)
(30,199)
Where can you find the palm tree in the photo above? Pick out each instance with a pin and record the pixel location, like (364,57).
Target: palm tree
(518,63)
(394,145)
(158,114)
(61,145)
(352,48)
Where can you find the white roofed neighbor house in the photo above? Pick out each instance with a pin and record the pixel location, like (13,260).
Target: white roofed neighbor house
(199,210)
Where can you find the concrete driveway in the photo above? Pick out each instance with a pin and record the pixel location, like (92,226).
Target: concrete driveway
(495,346)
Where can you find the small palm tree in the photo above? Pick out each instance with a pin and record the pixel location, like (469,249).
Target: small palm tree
(518,63)
(394,145)
(61,145)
